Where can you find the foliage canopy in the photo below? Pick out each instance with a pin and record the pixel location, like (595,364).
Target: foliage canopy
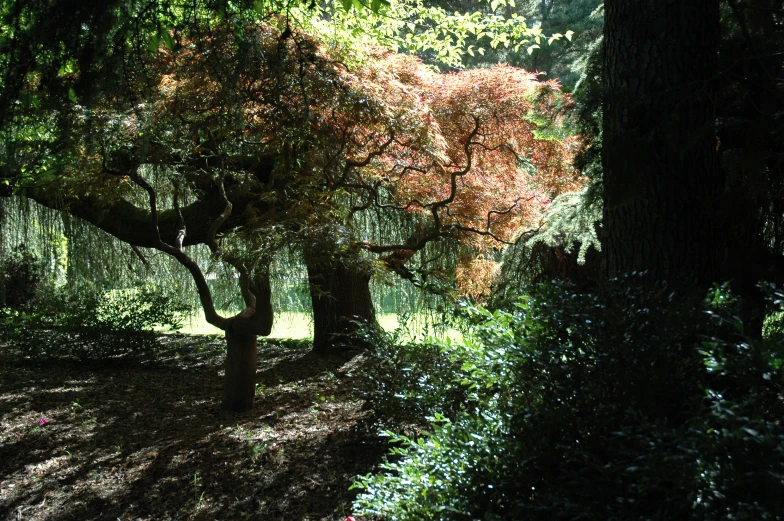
(269,134)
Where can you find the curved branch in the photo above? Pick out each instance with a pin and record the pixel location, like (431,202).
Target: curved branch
(205,296)
(236,262)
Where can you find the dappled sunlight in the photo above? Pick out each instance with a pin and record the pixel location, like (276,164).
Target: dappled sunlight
(134,441)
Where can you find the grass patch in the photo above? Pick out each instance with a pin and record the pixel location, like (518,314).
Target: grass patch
(300,326)
(287,325)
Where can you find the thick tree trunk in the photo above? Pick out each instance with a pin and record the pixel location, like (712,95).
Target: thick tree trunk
(341,304)
(239,384)
(661,176)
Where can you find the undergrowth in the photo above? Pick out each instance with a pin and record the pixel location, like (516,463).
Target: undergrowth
(87,323)
(630,403)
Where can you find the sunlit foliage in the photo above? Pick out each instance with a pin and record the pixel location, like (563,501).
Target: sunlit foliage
(316,134)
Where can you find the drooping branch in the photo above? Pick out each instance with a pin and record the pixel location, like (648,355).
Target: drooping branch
(176,203)
(236,262)
(487,232)
(438,231)
(205,296)
(454,175)
(254,283)
(351,164)
(126,221)
(140,256)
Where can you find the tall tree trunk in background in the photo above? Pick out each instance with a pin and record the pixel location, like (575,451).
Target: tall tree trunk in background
(239,384)
(661,176)
(341,299)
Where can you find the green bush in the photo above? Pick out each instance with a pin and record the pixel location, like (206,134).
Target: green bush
(628,404)
(90,324)
(407,382)
(20,278)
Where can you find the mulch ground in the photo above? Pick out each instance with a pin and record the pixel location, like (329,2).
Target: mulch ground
(126,440)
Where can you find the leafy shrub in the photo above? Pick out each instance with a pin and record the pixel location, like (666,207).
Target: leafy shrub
(20,278)
(90,324)
(407,382)
(629,404)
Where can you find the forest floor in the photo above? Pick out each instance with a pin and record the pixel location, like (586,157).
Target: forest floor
(130,441)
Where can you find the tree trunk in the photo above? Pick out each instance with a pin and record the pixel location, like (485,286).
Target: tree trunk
(661,176)
(239,384)
(341,304)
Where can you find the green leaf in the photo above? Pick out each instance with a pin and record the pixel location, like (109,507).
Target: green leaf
(347,4)
(568,35)
(30,100)
(375,5)
(168,40)
(72,95)
(481,51)
(155,43)
(531,48)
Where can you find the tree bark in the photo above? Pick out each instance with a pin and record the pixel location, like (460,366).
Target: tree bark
(661,175)
(239,384)
(341,304)
(131,223)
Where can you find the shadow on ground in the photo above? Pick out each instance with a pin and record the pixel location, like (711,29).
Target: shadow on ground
(144,441)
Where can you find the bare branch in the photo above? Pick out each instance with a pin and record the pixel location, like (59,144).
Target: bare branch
(236,262)
(205,296)
(141,256)
(181,231)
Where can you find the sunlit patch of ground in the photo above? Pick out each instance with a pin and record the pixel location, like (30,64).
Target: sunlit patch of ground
(300,326)
(148,441)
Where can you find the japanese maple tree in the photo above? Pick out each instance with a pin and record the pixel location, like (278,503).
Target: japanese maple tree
(256,139)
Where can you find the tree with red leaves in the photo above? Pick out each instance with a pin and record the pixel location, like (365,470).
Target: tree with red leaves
(266,138)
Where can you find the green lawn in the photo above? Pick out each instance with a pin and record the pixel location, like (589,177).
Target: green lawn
(300,325)
(287,325)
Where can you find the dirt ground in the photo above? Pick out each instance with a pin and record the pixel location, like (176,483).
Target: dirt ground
(127,440)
